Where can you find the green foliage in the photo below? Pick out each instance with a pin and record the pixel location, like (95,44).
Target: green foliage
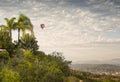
(6,43)
(25,20)
(108,80)
(39,67)
(10,25)
(29,43)
(10,48)
(4,39)
(28,52)
(72,79)
(4,55)
(53,74)
(89,77)
(7,75)
(62,64)
(23,24)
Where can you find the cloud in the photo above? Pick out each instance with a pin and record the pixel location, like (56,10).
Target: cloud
(69,24)
(73,24)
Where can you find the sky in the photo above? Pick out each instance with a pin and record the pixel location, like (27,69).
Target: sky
(81,29)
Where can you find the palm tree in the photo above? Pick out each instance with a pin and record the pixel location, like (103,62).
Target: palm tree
(24,23)
(10,25)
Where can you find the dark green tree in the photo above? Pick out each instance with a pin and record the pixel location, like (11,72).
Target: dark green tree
(6,43)
(29,43)
(61,62)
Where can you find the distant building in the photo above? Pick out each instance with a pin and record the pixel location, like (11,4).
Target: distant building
(81,81)
(2,50)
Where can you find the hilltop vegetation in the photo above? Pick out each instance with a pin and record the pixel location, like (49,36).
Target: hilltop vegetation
(89,77)
(21,61)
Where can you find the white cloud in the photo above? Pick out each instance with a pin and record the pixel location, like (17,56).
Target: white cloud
(69,26)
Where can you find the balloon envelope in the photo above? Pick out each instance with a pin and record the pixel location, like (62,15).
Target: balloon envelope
(42,26)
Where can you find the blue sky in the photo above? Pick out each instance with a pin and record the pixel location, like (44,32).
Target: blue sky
(81,29)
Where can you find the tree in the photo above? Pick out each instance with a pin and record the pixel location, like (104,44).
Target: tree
(6,43)
(10,25)
(3,28)
(23,24)
(29,43)
(62,64)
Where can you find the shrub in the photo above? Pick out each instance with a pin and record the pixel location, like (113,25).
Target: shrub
(4,55)
(7,75)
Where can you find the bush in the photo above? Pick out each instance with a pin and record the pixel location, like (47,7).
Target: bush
(108,80)
(28,52)
(7,75)
(72,79)
(4,55)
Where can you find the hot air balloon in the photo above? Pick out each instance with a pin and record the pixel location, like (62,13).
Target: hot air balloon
(42,26)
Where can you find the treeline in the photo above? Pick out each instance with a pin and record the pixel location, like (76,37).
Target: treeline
(27,67)
(90,77)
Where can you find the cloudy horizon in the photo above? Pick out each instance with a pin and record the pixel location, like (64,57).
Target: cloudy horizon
(81,29)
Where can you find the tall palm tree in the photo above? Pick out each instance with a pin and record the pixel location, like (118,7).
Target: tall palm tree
(10,25)
(24,23)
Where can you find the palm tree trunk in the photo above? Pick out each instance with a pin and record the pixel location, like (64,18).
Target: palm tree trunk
(18,35)
(10,34)
(32,33)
